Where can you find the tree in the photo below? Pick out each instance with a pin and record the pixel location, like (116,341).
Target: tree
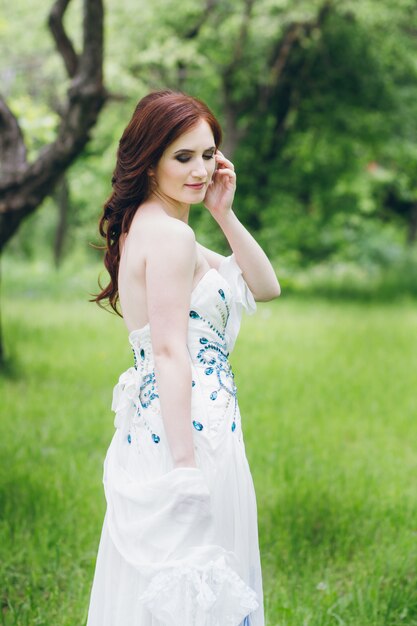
(23,184)
(309,93)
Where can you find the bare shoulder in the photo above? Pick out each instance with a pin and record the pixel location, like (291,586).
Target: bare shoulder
(158,227)
(213,258)
(154,236)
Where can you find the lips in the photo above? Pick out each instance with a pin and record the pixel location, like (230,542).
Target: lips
(196,186)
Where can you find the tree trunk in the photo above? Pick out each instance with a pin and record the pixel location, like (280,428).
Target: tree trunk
(412,226)
(62,200)
(2,354)
(23,185)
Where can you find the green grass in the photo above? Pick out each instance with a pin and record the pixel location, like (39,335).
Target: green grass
(328,402)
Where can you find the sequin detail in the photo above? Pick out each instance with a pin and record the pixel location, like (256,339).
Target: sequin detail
(211,359)
(213,355)
(147,391)
(147,395)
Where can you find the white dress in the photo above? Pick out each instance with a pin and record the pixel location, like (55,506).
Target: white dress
(179,546)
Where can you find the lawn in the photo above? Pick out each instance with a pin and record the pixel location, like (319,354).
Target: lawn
(327,392)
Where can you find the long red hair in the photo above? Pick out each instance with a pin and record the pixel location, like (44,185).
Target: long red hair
(158,120)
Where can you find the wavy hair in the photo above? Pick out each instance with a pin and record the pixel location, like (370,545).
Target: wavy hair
(158,120)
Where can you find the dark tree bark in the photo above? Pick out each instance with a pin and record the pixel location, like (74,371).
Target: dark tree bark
(233,109)
(287,72)
(191,33)
(24,185)
(405,209)
(279,94)
(62,200)
(2,356)
(412,226)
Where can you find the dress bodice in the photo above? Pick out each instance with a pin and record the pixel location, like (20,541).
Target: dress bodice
(217,303)
(216,307)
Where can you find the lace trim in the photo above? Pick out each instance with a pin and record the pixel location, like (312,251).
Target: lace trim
(213,595)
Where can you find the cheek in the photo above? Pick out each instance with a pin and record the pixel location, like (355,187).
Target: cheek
(174,173)
(170,174)
(211,166)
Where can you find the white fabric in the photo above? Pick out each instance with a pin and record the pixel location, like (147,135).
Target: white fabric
(242,297)
(179,546)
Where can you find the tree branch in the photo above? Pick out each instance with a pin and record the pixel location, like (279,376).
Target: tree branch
(281,53)
(62,41)
(241,40)
(12,145)
(22,192)
(93,33)
(282,95)
(232,108)
(192,32)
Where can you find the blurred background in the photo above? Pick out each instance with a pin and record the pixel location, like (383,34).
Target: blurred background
(318,104)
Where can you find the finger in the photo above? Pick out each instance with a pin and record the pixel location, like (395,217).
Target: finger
(226,171)
(222,159)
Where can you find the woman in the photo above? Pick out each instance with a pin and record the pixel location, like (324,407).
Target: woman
(179,545)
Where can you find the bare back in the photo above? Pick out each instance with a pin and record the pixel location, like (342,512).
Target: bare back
(136,248)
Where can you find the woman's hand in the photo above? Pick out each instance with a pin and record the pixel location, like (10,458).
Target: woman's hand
(221,190)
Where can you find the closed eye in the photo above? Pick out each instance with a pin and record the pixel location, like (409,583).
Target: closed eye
(184,158)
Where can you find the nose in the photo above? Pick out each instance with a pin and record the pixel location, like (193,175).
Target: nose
(200,170)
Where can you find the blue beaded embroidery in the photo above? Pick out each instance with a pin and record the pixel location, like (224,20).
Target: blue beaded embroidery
(214,357)
(225,312)
(147,394)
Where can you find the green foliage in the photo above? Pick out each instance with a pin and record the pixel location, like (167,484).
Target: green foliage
(325,157)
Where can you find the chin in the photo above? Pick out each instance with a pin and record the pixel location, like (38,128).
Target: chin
(196,198)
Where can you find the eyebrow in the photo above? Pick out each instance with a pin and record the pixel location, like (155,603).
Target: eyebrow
(192,151)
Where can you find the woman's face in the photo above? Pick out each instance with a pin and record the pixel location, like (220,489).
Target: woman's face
(187,165)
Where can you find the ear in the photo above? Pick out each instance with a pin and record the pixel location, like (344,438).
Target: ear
(150,171)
